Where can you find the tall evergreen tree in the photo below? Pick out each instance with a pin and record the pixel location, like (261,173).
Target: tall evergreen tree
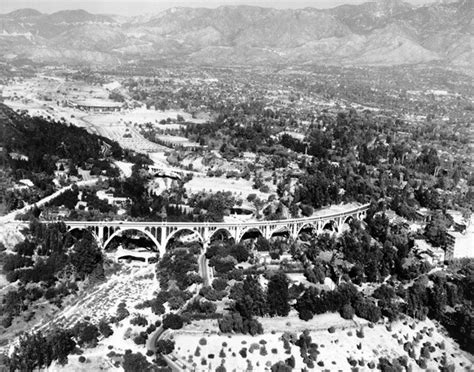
(277,295)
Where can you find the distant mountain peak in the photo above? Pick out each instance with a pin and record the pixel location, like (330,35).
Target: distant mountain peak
(24,13)
(391,7)
(384,32)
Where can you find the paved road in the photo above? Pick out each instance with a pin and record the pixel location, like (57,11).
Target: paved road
(11,216)
(204,270)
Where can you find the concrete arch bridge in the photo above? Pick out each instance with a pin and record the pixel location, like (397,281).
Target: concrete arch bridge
(161,233)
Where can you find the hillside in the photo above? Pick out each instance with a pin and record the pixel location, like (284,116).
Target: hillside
(374,33)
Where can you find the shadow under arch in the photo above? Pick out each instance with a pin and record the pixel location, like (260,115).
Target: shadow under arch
(143,231)
(221,234)
(307,227)
(85,229)
(349,220)
(175,233)
(330,226)
(280,231)
(250,233)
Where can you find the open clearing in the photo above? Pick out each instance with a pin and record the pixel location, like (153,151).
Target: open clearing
(240,188)
(335,349)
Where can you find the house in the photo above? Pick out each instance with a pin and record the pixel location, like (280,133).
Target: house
(460,245)
(111,199)
(424,214)
(426,252)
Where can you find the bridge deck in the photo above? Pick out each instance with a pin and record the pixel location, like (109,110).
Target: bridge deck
(246,224)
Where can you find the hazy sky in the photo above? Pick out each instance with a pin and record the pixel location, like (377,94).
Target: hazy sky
(134,7)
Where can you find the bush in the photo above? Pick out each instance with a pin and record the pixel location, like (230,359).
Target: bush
(306,210)
(347,312)
(331,330)
(86,333)
(141,338)
(139,320)
(211,294)
(82,359)
(173,321)
(219,284)
(135,362)
(151,328)
(202,341)
(165,346)
(122,312)
(105,328)
(7,321)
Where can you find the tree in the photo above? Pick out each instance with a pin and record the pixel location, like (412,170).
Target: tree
(253,301)
(135,362)
(105,328)
(86,255)
(277,295)
(436,230)
(86,333)
(33,351)
(165,346)
(347,311)
(62,345)
(173,321)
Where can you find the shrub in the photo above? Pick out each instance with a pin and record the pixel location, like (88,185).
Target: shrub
(86,333)
(421,363)
(139,320)
(122,312)
(219,284)
(141,338)
(202,341)
(165,346)
(151,328)
(7,321)
(173,321)
(331,330)
(105,328)
(347,311)
(135,362)
(82,359)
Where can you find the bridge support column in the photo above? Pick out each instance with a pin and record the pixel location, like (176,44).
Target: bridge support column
(100,236)
(163,237)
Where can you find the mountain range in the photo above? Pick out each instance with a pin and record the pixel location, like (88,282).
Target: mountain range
(382,32)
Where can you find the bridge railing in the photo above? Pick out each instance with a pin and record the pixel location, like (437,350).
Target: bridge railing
(247,224)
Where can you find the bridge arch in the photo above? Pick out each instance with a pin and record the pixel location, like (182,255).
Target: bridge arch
(250,230)
(280,230)
(145,232)
(308,225)
(348,220)
(91,230)
(180,230)
(220,230)
(330,225)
